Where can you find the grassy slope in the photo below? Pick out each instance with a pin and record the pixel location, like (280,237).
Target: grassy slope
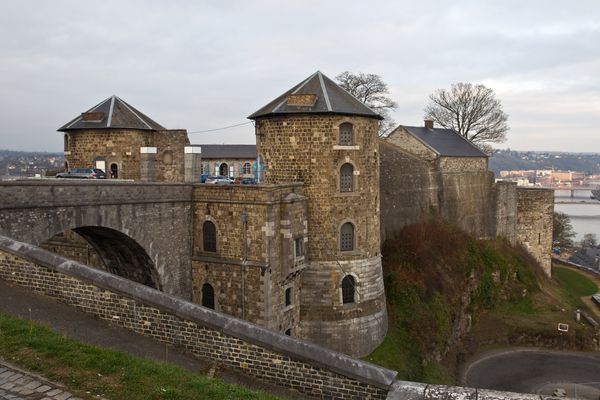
(435,275)
(97,371)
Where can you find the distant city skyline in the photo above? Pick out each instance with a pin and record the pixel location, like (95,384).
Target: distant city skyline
(205,66)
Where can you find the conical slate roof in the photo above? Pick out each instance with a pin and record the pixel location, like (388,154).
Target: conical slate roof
(112,113)
(316,95)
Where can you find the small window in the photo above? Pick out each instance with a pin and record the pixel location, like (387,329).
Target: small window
(209,236)
(288,332)
(298,250)
(168,157)
(288,296)
(66,142)
(348,289)
(346,138)
(247,169)
(346,178)
(347,237)
(208,296)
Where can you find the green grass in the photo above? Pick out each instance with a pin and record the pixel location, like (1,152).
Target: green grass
(574,282)
(110,374)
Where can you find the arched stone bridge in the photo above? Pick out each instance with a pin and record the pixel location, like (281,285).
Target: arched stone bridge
(142,230)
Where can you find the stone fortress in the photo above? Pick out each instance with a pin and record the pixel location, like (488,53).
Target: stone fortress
(299,253)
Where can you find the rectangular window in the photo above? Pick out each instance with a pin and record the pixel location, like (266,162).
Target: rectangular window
(288,296)
(298,251)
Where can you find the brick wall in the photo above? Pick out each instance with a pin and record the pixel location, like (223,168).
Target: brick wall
(262,353)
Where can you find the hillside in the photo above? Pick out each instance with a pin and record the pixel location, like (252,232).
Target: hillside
(531,160)
(450,296)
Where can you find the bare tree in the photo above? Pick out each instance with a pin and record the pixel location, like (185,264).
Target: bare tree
(471,110)
(589,240)
(562,230)
(372,91)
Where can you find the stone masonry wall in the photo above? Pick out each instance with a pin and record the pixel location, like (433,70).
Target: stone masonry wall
(121,147)
(255,260)
(305,148)
(170,146)
(401,138)
(157,216)
(412,189)
(535,209)
(269,356)
(505,194)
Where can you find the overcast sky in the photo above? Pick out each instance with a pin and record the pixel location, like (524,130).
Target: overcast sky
(204,65)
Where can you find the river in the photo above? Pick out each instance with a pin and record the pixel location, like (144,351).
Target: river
(583,211)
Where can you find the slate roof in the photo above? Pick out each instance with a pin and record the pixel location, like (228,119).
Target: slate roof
(445,142)
(222,151)
(330,99)
(586,257)
(113,113)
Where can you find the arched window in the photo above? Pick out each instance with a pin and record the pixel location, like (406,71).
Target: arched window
(348,285)
(346,138)
(346,178)
(209,236)
(208,296)
(247,169)
(347,237)
(223,169)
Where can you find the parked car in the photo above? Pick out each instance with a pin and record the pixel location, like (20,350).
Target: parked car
(203,178)
(219,180)
(82,173)
(244,180)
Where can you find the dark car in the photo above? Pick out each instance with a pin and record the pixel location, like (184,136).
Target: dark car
(83,173)
(244,180)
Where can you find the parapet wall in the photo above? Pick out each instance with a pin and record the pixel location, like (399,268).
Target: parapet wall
(265,354)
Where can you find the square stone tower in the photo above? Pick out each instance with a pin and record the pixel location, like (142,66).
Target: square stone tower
(319,134)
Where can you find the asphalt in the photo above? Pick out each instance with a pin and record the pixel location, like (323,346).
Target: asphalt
(536,371)
(19,302)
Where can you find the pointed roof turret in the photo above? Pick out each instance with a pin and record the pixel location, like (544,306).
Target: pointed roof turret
(112,113)
(316,95)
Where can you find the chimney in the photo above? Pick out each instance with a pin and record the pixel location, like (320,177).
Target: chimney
(429,123)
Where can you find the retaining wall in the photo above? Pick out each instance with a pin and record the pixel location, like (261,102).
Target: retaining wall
(265,354)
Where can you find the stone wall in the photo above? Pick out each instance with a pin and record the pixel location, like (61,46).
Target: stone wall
(305,148)
(505,198)
(267,355)
(413,189)
(153,216)
(404,140)
(255,261)
(122,147)
(535,209)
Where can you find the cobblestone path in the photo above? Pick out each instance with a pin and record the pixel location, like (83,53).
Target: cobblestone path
(16,384)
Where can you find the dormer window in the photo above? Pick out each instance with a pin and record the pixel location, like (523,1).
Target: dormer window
(346,135)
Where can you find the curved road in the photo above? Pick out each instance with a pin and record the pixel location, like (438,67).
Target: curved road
(536,371)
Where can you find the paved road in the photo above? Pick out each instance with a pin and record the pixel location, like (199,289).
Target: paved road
(17,301)
(16,384)
(536,371)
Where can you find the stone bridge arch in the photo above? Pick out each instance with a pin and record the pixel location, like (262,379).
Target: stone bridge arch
(115,218)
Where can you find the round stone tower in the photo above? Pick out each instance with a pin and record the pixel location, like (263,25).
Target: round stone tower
(319,134)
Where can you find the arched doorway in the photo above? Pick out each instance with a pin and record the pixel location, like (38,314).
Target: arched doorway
(108,250)
(114,171)
(223,170)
